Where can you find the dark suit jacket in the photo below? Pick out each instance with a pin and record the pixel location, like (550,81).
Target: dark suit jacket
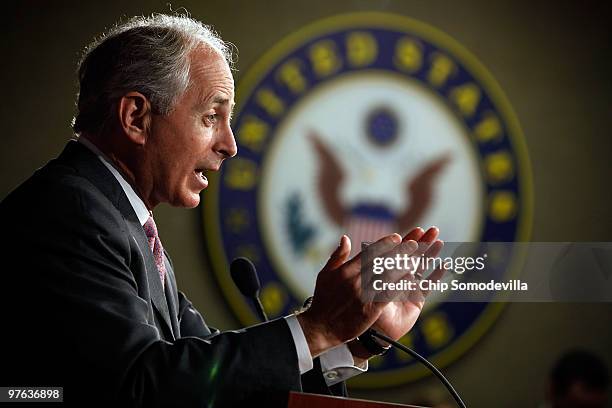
(83,307)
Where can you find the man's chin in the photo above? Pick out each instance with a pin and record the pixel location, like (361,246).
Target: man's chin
(193,203)
(189,200)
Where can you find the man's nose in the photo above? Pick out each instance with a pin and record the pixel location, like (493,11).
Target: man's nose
(226,145)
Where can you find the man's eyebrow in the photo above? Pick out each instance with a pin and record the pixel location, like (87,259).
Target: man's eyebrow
(225,101)
(217,100)
(222,100)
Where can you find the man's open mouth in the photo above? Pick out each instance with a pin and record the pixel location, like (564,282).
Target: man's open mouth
(200,173)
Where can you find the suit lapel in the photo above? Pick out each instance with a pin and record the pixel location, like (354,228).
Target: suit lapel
(87,164)
(156,290)
(172,297)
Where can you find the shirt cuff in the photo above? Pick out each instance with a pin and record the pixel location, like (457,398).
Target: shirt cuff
(301,345)
(338,365)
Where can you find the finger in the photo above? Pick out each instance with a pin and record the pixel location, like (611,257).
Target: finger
(340,254)
(394,274)
(430,235)
(408,248)
(434,249)
(389,274)
(427,239)
(414,234)
(438,273)
(385,244)
(432,252)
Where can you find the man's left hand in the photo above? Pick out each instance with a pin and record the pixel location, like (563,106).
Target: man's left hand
(399,317)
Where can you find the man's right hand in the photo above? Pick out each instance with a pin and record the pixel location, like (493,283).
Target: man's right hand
(338,312)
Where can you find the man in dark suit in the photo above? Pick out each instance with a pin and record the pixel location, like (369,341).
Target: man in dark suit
(90,299)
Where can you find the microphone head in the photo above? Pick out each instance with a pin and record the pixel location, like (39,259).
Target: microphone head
(245,277)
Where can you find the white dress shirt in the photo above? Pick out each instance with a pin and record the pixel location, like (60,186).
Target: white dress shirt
(337,364)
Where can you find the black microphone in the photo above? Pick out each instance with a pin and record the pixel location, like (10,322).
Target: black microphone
(245,277)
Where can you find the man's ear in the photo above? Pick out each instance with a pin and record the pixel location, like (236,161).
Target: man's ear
(134,114)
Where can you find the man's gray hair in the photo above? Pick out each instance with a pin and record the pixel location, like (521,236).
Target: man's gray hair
(149,55)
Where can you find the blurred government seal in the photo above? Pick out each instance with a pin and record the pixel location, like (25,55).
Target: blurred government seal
(364,124)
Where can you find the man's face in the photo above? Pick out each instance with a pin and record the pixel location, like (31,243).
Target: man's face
(195,137)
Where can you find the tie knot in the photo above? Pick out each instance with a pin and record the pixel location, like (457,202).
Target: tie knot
(150,229)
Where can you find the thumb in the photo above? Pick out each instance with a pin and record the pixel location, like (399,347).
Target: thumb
(340,254)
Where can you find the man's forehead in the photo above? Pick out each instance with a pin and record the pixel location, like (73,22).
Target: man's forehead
(219,93)
(205,58)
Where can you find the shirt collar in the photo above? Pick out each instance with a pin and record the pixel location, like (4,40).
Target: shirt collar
(139,206)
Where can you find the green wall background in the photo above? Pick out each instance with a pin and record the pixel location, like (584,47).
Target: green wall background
(553,60)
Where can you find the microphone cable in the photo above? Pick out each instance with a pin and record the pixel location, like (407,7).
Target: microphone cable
(423,361)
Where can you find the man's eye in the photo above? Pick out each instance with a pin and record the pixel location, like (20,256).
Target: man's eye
(212,118)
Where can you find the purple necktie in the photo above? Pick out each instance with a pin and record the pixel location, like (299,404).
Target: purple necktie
(156,247)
